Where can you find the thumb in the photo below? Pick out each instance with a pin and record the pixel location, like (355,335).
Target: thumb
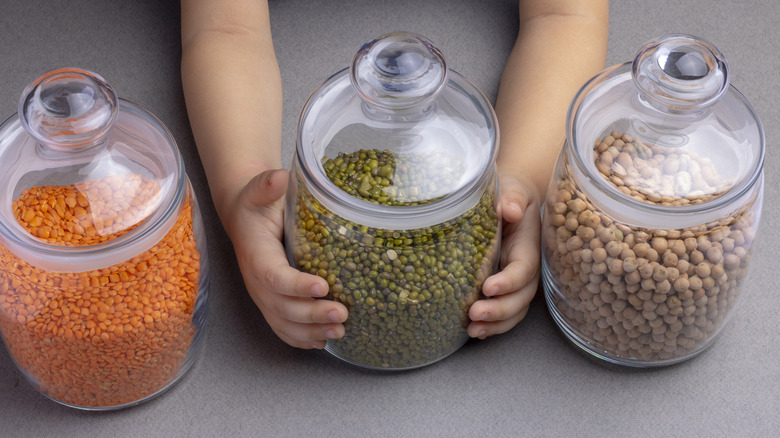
(513,200)
(267,187)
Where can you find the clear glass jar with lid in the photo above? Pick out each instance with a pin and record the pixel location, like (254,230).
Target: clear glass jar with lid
(103,263)
(652,212)
(393,200)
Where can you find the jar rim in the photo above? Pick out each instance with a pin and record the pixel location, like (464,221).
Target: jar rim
(402,216)
(81,258)
(740,188)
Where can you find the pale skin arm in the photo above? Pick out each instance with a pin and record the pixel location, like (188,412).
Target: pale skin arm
(232,87)
(561,44)
(233,94)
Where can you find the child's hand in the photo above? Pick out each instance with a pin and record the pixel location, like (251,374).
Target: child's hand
(510,291)
(285,296)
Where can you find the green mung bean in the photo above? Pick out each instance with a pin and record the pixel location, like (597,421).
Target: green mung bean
(408,291)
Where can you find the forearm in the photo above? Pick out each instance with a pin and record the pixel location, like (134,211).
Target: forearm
(559,47)
(232,89)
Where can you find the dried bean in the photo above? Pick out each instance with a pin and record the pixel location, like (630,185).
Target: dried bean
(408,291)
(677,284)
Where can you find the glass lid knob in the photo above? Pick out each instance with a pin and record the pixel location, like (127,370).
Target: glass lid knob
(68,108)
(398,71)
(681,72)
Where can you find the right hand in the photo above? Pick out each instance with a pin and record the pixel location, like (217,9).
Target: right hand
(286,297)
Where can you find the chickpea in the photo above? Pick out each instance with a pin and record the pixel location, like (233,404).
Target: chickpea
(629,265)
(670,259)
(586,233)
(599,255)
(731,261)
(703,270)
(648,293)
(659,244)
(652,255)
(641,249)
(696,256)
(571,224)
(614,248)
(574,243)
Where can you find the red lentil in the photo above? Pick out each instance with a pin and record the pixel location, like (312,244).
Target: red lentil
(104,337)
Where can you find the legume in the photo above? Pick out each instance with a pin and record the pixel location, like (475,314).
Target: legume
(109,336)
(408,292)
(385,178)
(642,293)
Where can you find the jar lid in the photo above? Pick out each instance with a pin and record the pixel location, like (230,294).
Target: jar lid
(80,169)
(668,131)
(398,71)
(396,131)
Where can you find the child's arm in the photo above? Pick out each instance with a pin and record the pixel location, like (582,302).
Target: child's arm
(233,92)
(560,45)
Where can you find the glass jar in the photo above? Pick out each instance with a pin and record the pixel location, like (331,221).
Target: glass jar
(393,201)
(103,263)
(652,212)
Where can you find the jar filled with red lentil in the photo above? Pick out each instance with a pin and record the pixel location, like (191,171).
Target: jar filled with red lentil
(653,210)
(103,263)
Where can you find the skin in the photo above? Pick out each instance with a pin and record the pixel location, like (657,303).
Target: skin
(560,45)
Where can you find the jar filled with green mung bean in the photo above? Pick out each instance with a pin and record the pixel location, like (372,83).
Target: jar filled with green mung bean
(393,199)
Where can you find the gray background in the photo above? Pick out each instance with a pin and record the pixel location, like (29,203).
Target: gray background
(528,382)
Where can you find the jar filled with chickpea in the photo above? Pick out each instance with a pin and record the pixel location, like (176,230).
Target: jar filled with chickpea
(103,264)
(654,205)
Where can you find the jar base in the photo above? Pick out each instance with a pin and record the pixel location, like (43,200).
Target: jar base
(192,357)
(334,352)
(550,292)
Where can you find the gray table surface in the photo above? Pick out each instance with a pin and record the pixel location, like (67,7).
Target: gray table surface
(528,382)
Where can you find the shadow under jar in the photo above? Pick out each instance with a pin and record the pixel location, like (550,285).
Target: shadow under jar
(652,212)
(393,201)
(103,264)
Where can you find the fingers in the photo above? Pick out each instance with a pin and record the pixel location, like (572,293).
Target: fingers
(267,187)
(500,314)
(511,290)
(262,194)
(272,272)
(302,309)
(259,248)
(520,254)
(286,297)
(514,199)
(522,268)
(304,335)
(288,300)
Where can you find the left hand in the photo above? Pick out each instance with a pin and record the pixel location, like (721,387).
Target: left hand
(510,291)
